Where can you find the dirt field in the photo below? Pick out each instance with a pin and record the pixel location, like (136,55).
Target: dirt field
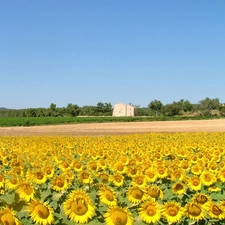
(99,129)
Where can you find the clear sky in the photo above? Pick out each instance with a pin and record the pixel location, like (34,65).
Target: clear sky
(119,51)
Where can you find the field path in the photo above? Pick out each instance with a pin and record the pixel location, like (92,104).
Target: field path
(99,129)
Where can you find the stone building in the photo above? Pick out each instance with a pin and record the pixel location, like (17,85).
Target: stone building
(121,109)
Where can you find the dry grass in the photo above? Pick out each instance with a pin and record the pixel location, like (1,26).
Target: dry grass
(99,129)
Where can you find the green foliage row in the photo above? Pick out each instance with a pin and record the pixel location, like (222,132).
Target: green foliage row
(32,121)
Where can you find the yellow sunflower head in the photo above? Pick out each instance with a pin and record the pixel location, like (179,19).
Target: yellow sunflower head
(154,192)
(179,188)
(150,212)
(107,196)
(195,183)
(41,213)
(7,217)
(216,211)
(117,180)
(135,194)
(79,207)
(139,180)
(201,199)
(172,211)
(59,183)
(208,178)
(85,177)
(195,211)
(26,191)
(118,216)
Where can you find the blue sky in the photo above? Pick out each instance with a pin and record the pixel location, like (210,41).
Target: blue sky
(89,51)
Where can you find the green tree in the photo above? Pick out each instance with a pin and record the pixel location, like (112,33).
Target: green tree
(73,110)
(156,106)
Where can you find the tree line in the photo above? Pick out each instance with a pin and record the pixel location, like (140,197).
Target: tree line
(205,107)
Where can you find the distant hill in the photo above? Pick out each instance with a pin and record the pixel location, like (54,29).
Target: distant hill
(2,108)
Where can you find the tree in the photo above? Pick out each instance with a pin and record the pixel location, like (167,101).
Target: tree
(185,105)
(73,110)
(207,105)
(171,109)
(156,106)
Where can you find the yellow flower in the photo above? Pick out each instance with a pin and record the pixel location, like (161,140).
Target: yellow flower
(135,194)
(59,183)
(49,171)
(139,180)
(151,175)
(107,196)
(195,183)
(117,180)
(77,165)
(201,198)
(221,175)
(178,188)
(216,211)
(41,213)
(25,190)
(79,207)
(208,178)
(118,216)
(85,177)
(154,192)
(7,217)
(214,188)
(195,211)
(37,177)
(11,181)
(2,181)
(150,212)
(172,211)
(161,172)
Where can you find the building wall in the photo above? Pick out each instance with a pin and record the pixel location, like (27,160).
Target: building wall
(124,110)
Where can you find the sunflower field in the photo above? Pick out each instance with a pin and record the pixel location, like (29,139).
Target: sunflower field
(154,178)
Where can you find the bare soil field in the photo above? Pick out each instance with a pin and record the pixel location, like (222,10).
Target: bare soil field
(100,129)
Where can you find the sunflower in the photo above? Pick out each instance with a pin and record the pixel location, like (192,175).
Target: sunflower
(179,188)
(117,180)
(120,168)
(11,181)
(208,178)
(214,188)
(49,171)
(194,211)
(196,169)
(216,211)
(221,175)
(161,172)
(107,196)
(154,192)
(150,212)
(38,177)
(201,198)
(151,175)
(104,177)
(7,217)
(59,183)
(132,171)
(172,211)
(40,213)
(77,165)
(135,194)
(118,216)
(139,180)
(85,177)
(93,166)
(195,183)
(2,181)
(25,190)
(79,207)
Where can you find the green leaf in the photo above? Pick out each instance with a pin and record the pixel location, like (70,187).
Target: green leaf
(9,198)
